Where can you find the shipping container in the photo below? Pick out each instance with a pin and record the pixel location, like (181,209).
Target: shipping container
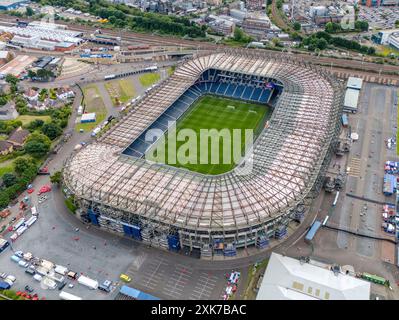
(313,230)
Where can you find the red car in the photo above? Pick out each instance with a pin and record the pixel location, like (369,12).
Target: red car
(44,189)
(30,191)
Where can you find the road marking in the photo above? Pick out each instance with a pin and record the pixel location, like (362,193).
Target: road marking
(204,288)
(354,166)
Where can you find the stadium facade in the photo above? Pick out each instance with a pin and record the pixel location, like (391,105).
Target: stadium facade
(173,208)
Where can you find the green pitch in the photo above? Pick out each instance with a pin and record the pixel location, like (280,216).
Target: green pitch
(209,112)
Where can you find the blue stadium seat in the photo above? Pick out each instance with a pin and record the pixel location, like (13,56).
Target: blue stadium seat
(222,88)
(256,94)
(230,90)
(247,93)
(265,96)
(239,91)
(213,87)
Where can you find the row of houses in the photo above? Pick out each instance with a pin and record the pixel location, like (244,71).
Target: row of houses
(62,94)
(15,141)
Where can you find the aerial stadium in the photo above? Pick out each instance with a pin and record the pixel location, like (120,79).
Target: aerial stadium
(294,110)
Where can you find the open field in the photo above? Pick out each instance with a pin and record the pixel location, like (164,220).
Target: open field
(6,169)
(27,118)
(210,112)
(123,90)
(94,103)
(149,79)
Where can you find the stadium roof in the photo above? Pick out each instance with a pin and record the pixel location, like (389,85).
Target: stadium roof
(286,159)
(289,279)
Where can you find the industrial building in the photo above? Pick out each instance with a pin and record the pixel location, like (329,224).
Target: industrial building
(12,4)
(43,36)
(173,208)
(291,279)
(257,26)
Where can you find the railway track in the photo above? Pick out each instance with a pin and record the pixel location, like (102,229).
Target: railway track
(172,41)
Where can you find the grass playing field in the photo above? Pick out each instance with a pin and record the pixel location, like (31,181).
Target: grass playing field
(209,112)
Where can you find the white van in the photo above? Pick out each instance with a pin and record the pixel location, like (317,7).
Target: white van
(37,277)
(34,211)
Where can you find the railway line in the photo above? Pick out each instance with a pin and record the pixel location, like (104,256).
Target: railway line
(133,37)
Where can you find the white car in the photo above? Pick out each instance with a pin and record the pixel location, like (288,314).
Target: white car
(11,277)
(23,264)
(70,285)
(37,277)
(19,254)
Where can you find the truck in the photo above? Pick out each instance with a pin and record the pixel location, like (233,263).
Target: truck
(19,223)
(56,277)
(68,296)
(60,270)
(90,283)
(31,221)
(21,230)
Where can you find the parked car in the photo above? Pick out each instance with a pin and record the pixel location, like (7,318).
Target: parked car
(105,286)
(11,278)
(37,277)
(125,278)
(61,285)
(23,264)
(29,289)
(19,254)
(30,271)
(3,275)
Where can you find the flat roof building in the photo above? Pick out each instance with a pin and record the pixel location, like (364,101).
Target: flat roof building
(354,83)
(12,4)
(290,279)
(351,100)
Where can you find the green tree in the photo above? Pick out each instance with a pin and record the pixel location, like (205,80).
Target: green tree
(51,130)
(35,124)
(279,4)
(3,100)
(24,165)
(321,44)
(297,26)
(11,79)
(37,145)
(29,11)
(56,177)
(9,179)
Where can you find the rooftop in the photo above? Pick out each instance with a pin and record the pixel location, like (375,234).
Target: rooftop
(290,279)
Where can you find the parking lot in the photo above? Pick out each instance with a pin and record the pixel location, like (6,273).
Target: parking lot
(381,17)
(103,256)
(176,281)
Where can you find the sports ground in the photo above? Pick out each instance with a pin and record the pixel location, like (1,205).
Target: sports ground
(210,112)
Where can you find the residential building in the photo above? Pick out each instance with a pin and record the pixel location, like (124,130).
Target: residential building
(18,137)
(6,147)
(393,40)
(287,278)
(65,93)
(31,95)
